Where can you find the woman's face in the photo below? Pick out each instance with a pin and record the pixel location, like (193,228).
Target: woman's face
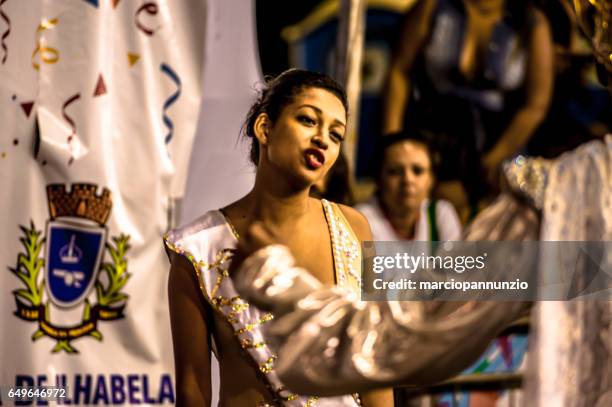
(406,178)
(304,142)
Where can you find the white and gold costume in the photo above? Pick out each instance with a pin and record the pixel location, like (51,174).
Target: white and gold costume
(209,244)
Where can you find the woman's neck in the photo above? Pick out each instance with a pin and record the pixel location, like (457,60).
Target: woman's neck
(403,223)
(277,204)
(486,6)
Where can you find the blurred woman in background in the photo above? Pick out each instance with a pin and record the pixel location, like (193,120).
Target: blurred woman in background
(479,72)
(401,209)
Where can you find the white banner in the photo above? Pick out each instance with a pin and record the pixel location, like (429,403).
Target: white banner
(219,169)
(99,103)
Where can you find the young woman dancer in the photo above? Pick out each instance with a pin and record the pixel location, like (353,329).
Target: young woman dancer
(296,127)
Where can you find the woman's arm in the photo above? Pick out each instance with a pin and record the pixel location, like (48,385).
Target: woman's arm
(397,88)
(378,398)
(189,336)
(540,76)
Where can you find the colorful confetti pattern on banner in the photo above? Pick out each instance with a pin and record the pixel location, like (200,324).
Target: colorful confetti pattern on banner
(48,55)
(100,87)
(171,100)
(6,33)
(70,121)
(133,58)
(27,107)
(92,2)
(149,8)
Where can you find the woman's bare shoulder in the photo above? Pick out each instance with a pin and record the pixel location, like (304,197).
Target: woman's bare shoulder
(237,215)
(358,222)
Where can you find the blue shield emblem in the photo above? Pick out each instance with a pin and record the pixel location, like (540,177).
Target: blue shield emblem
(74,252)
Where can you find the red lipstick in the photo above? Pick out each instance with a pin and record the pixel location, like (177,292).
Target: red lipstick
(314,158)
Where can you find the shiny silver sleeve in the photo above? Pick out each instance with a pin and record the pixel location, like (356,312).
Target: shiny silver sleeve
(331,343)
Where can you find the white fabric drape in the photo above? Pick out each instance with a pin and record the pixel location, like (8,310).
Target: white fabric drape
(571,364)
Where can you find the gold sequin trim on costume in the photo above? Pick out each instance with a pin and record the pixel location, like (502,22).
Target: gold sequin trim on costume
(248,344)
(221,257)
(236,304)
(250,327)
(196,264)
(268,365)
(230,224)
(285,395)
(311,402)
(345,248)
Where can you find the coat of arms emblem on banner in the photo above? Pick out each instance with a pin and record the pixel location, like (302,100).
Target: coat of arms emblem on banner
(72,266)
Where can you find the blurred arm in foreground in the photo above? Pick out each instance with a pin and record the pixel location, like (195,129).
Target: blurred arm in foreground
(343,345)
